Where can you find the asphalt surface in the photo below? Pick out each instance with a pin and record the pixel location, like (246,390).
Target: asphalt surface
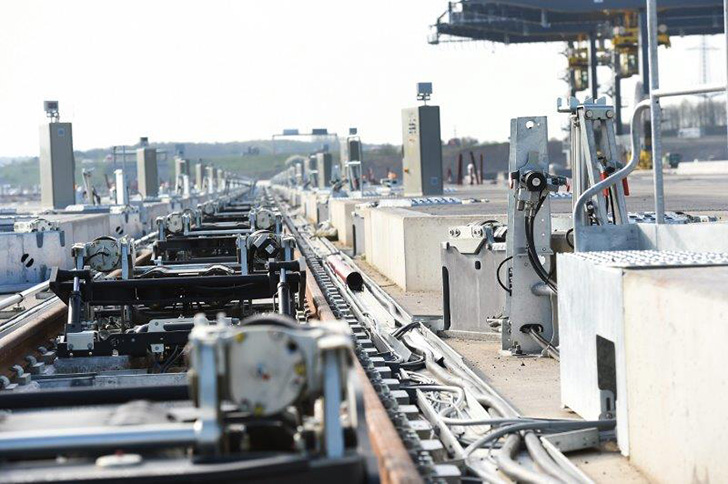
(704,194)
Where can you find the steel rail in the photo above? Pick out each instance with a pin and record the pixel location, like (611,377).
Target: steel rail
(488,400)
(21,296)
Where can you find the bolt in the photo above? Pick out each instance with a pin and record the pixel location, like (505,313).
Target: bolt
(610,114)
(589,114)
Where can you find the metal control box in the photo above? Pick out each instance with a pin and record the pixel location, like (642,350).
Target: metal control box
(57,165)
(181,167)
(210,176)
(473,300)
(354,150)
(323,168)
(147,172)
(220,182)
(422,163)
(199,176)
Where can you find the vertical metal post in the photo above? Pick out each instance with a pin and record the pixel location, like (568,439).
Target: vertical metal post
(644,52)
(593,62)
(333,434)
(725,33)
(618,94)
(655,112)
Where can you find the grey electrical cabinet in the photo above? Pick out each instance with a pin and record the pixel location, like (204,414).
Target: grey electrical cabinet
(147,172)
(354,150)
(210,176)
(199,176)
(181,167)
(57,165)
(323,166)
(422,163)
(220,180)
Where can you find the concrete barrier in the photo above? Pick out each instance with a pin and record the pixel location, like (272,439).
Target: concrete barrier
(27,258)
(676,377)
(340,210)
(404,245)
(702,168)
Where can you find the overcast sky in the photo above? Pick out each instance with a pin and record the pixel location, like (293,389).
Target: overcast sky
(214,70)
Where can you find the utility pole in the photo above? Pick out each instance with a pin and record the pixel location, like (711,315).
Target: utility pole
(655,112)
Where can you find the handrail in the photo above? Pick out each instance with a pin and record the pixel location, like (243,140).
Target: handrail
(704,89)
(618,175)
(635,139)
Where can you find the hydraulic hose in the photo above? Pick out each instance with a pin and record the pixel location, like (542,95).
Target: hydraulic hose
(507,461)
(552,425)
(531,248)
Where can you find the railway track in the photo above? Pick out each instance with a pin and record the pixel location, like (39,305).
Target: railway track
(27,340)
(427,416)
(430,394)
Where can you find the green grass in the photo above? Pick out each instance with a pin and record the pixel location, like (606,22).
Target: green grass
(21,173)
(261,166)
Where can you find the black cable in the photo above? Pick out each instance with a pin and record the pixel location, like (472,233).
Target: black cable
(399,332)
(533,257)
(497,275)
(531,248)
(415,365)
(570,231)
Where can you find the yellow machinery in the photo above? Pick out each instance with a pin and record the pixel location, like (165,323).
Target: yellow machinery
(625,41)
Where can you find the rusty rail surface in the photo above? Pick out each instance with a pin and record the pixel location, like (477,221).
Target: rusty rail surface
(395,464)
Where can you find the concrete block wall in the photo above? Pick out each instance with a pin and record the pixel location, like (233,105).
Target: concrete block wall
(340,210)
(366,212)
(53,249)
(404,245)
(81,228)
(27,259)
(676,322)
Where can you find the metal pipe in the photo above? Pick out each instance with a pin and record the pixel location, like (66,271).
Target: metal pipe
(544,461)
(702,89)
(19,297)
(71,397)
(333,433)
(655,113)
(618,95)
(506,459)
(546,345)
(66,439)
(557,426)
(146,239)
(615,178)
(346,273)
